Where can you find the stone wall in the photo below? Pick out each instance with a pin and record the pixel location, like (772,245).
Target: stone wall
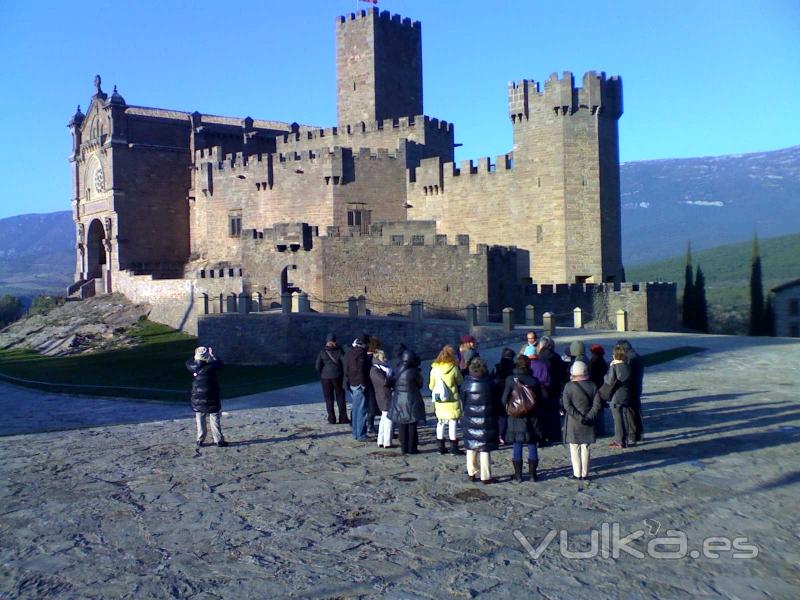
(274,338)
(650,306)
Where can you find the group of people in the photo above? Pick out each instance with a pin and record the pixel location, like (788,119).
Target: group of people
(533,397)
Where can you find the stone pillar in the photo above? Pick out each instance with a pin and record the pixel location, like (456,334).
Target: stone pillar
(295,302)
(362,306)
(530,314)
(258,302)
(622,320)
(417,310)
(244,303)
(483,313)
(231,300)
(577,315)
(508,319)
(472,316)
(303,303)
(286,303)
(352,307)
(549,320)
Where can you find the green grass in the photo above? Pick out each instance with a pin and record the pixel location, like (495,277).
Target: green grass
(158,364)
(662,356)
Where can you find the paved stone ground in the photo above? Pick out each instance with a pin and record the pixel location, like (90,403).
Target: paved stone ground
(295,508)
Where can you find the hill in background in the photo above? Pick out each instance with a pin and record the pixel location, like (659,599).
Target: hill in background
(37,254)
(711,201)
(727,272)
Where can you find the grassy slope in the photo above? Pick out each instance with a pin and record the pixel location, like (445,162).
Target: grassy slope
(157,363)
(727,272)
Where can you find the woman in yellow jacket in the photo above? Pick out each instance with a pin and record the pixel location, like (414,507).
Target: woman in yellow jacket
(444,381)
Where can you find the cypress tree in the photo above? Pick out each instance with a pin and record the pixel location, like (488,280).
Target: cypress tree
(769,318)
(756,293)
(700,304)
(688,292)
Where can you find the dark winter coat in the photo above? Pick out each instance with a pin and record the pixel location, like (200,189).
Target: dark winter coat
(582,406)
(205,385)
(480,412)
(501,371)
(382,383)
(524,429)
(557,369)
(330,363)
(407,405)
(397,353)
(637,376)
(598,367)
(356,370)
(617,385)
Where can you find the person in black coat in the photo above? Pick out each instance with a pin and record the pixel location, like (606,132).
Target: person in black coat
(524,430)
(551,405)
(598,367)
(636,364)
(582,406)
(407,405)
(205,396)
(617,390)
(479,420)
(501,372)
(330,368)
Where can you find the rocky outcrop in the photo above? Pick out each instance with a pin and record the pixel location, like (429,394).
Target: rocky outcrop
(99,323)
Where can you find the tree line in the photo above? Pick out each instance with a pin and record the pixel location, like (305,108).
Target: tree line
(694,313)
(12,308)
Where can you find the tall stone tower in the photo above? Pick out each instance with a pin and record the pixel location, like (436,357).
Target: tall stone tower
(566,146)
(378,67)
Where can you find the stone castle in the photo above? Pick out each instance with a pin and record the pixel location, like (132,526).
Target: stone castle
(186,210)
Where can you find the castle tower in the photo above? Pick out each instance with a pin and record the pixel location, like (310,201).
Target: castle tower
(378,67)
(566,145)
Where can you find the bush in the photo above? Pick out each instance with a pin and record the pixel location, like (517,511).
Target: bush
(10,309)
(42,305)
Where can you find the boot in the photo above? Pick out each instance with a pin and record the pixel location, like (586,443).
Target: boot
(454,447)
(517,471)
(441,447)
(532,466)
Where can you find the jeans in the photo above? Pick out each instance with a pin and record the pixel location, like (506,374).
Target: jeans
(358,412)
(533,451)
(216,426)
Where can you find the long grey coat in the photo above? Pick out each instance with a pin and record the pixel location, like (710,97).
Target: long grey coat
(581,403)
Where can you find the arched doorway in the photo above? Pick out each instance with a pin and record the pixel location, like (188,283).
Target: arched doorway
(95,250)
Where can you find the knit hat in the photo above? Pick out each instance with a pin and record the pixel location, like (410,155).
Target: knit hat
(201,353)
(578,369)
(597,349)
(577,348)
(468,339)
(331,337)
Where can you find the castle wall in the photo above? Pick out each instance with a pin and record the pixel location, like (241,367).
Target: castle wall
(296,339)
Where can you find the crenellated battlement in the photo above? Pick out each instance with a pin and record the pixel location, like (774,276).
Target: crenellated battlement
(545,289)
(418,127)
(432,175)
(373,13)
(597,94)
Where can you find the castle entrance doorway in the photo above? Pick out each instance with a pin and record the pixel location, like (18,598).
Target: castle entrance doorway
(95,250)
(287,287)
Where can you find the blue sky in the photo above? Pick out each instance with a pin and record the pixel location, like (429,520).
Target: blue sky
(700,77)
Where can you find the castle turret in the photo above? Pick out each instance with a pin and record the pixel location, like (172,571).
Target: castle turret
(378,67)
(566,143)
